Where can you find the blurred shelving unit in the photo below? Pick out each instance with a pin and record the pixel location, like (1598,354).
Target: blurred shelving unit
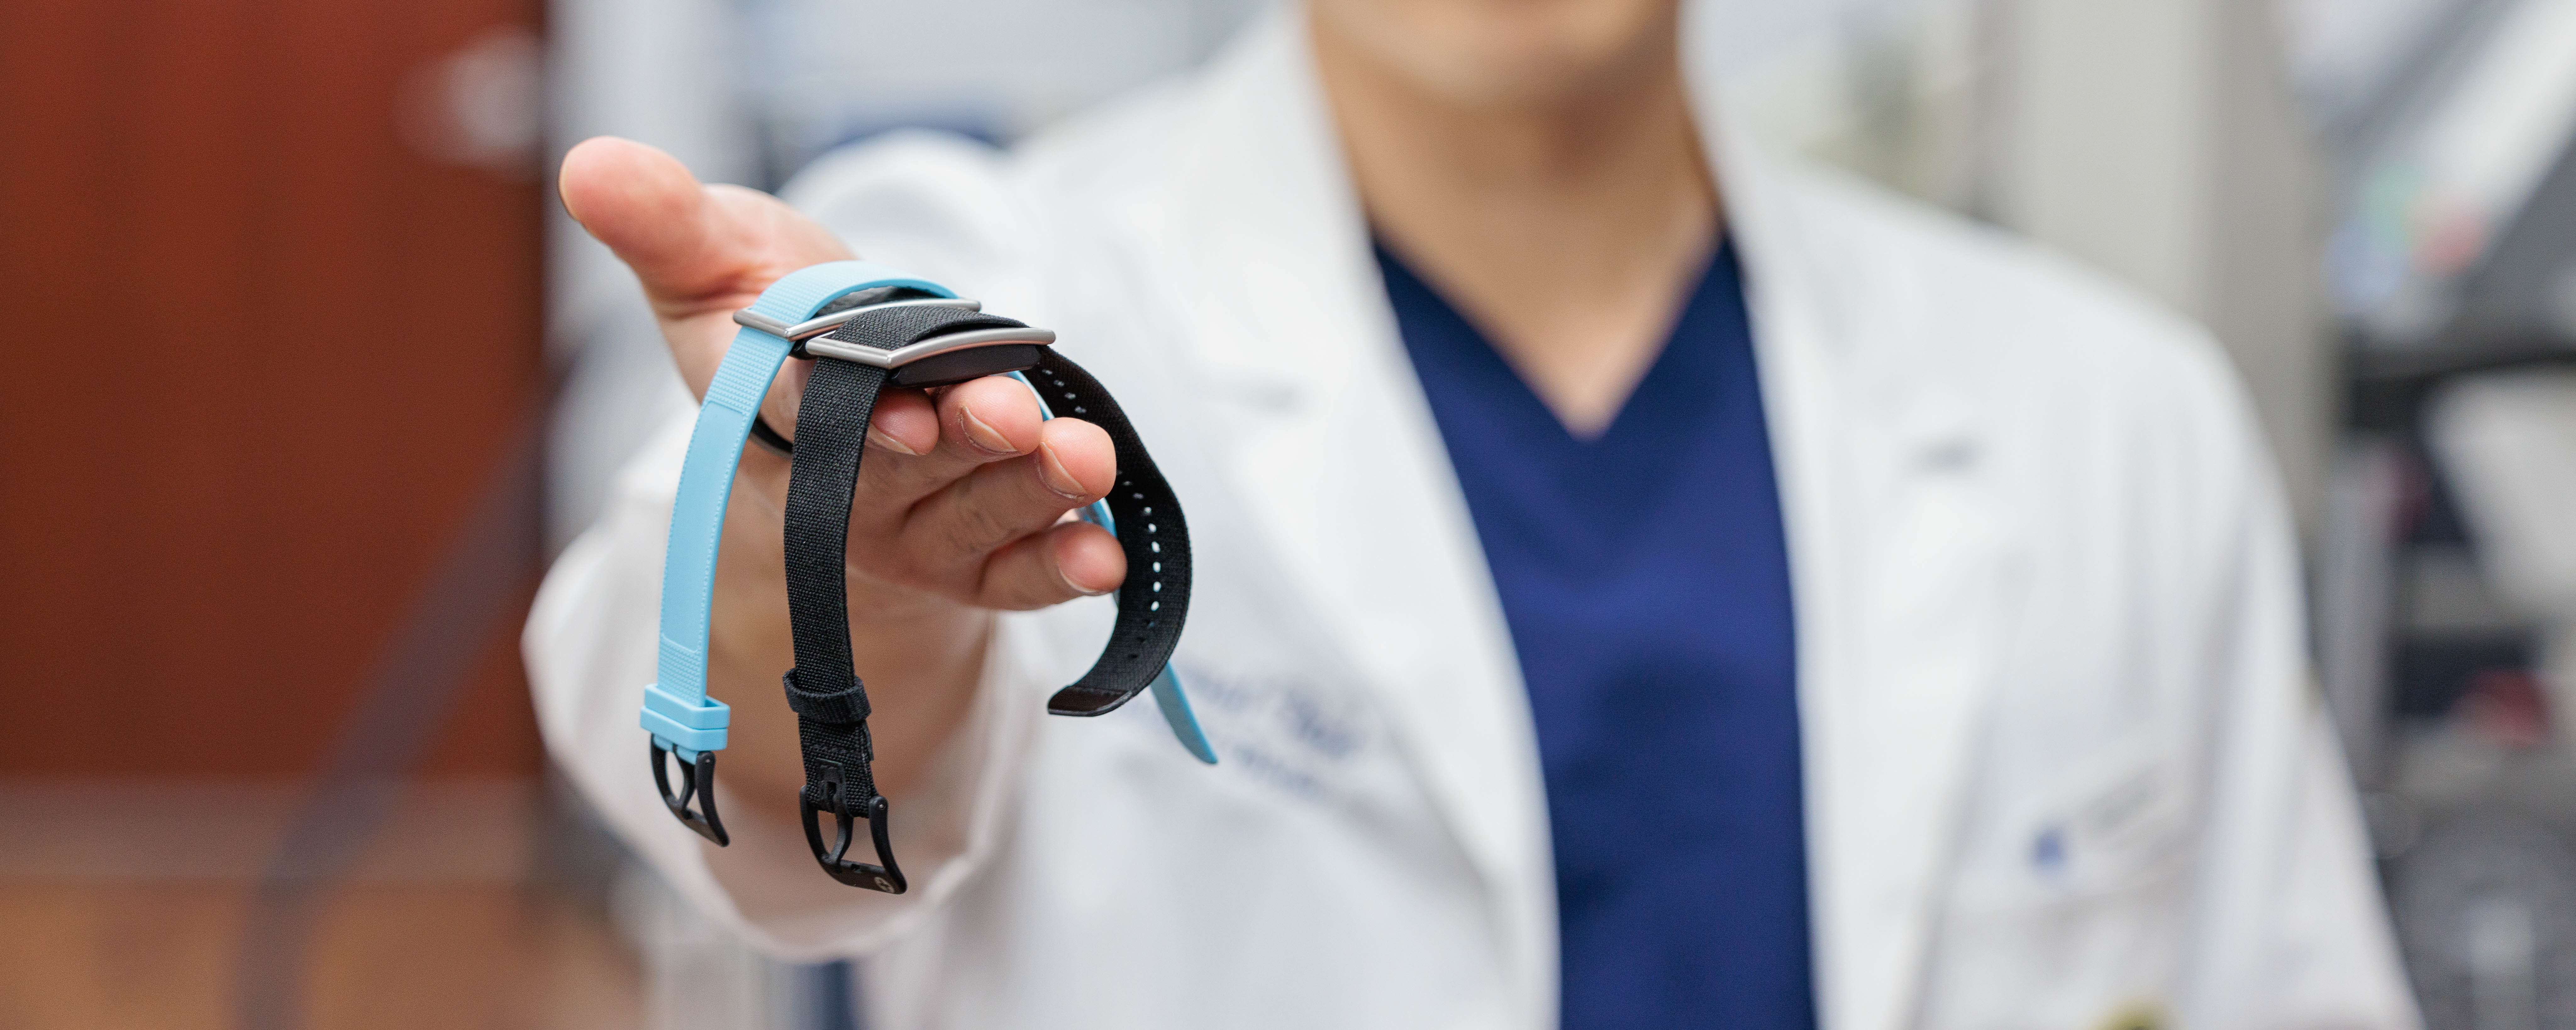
(2446,582)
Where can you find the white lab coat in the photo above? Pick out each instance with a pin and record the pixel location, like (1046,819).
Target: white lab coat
(2062,762)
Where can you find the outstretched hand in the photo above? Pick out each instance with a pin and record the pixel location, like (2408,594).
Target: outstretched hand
(962,496)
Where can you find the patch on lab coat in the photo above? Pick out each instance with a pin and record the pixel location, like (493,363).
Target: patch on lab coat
(1289,730)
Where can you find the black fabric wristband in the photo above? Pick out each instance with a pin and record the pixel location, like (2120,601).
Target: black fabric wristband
(1154,600)
(824,689)
(831,705)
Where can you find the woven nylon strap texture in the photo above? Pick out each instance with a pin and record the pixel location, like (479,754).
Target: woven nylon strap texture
(1155,599)
(897,327)
(830,703)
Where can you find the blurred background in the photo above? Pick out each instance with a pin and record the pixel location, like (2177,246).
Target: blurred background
(267,556)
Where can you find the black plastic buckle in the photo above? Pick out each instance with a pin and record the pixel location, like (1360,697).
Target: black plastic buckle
(696,780)
(887,877)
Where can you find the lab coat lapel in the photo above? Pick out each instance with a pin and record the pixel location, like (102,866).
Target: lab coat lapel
(1899,560)
(1338,454)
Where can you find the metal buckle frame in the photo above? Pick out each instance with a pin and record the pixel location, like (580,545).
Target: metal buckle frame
(887,877)
(808,329)
(698,780)
(807,335)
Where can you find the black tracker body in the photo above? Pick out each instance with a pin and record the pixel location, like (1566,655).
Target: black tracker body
(907,339)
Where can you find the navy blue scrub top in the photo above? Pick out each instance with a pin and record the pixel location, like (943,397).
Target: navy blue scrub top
(1645,577)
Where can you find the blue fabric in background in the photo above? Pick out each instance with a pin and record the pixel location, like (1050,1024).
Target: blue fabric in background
(1645,577)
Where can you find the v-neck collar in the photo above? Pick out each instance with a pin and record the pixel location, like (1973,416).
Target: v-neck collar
(1696,410)
(1662,400)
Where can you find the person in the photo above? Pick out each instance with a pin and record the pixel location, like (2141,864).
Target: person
(1640,581)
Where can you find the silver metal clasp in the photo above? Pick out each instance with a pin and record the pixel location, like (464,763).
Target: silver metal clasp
(820,324)
(936,345)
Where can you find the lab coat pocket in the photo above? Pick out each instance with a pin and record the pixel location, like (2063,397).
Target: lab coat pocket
(2119,821)
(2079,926)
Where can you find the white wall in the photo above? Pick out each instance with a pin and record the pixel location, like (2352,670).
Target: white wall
(2163,141)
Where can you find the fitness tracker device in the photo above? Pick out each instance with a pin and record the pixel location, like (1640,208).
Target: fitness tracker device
(927,341)
(787,319)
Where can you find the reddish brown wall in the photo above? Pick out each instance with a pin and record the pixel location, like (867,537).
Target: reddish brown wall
(261,358)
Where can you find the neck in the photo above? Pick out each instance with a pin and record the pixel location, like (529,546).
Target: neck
(1568,226)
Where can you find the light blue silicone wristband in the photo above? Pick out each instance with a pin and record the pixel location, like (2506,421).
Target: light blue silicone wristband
(676,707)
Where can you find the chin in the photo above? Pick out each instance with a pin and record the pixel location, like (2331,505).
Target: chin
(1504,52)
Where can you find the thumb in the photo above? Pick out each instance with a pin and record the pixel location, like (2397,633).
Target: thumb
(695,248)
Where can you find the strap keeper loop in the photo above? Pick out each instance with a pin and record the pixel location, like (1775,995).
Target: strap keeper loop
(840,707)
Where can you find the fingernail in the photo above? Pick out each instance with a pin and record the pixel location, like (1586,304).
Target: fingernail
(985,437)
(1052,472)
(886,440)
